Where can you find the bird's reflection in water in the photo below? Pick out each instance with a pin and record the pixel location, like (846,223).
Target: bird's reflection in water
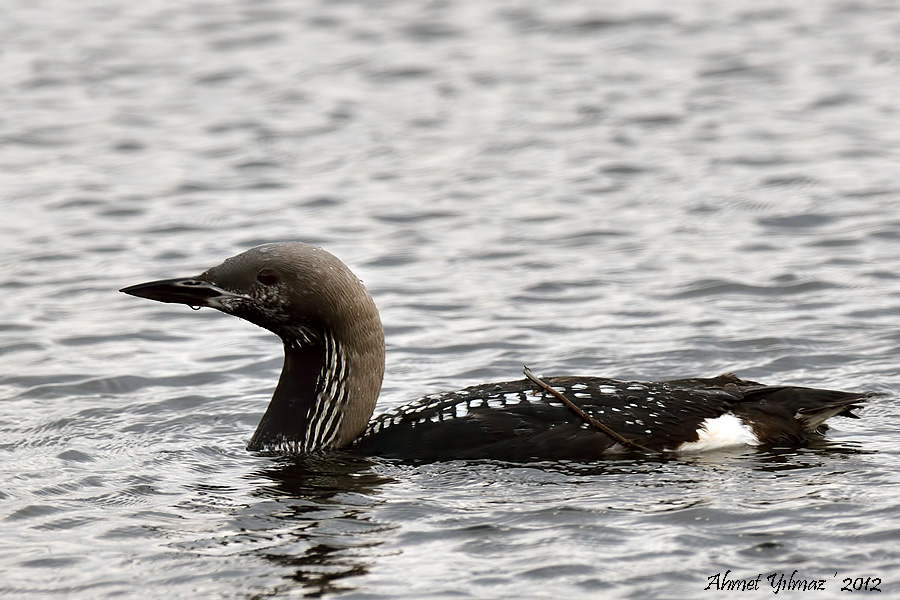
(316,515)
(816,454)
(326,534)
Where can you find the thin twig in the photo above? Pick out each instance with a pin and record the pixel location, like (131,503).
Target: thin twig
(586,417)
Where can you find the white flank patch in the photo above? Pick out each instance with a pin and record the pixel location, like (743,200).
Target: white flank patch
(721,432)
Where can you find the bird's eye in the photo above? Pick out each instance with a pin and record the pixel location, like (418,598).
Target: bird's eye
(267,277)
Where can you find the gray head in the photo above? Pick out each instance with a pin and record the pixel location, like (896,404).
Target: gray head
(333,338)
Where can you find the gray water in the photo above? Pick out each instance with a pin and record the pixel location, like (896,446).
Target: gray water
(638,190)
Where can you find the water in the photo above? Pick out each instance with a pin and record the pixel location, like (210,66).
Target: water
(642,190)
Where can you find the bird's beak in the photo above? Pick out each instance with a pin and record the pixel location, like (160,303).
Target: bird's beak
(190,291)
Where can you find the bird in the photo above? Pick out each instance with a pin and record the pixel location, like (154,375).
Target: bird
(334,361)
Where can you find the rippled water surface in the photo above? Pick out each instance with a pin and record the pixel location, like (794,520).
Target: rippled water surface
(638,190)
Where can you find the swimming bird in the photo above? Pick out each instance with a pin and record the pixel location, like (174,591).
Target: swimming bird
(334,357)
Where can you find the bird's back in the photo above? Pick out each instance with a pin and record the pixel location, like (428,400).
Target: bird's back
(517,421)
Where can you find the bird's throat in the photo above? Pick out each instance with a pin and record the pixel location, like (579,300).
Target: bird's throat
(284,425)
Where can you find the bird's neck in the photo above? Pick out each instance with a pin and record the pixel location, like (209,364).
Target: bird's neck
(305,412)
(324,397)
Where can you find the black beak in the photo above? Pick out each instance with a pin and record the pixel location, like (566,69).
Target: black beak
(192,292)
